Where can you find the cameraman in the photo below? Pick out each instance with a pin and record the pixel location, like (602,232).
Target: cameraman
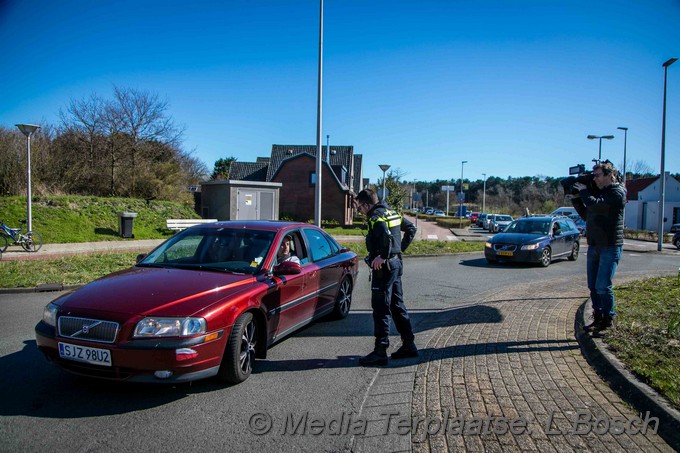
(602,209)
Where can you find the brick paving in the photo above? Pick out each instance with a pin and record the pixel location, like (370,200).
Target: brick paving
(508,358)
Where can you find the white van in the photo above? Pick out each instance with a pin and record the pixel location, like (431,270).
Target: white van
(565,211)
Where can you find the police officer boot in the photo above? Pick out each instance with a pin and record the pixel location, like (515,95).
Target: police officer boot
(597,320)
(407,349)
(376,358)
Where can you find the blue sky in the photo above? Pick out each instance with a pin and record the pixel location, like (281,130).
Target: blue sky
(511,86)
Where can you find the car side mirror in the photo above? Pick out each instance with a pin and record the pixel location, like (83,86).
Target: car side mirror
(140,257)
(287,268)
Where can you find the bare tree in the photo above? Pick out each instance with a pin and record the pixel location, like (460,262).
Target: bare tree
(142,116)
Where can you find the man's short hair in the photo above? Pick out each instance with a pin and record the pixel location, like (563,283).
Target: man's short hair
(367,196)
(607,168)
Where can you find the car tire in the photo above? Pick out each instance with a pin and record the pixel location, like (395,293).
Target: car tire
(574,251)
(343,301)
(239,354)
(545,257)
(677,244)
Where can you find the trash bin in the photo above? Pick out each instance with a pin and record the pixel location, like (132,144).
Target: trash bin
(125,224)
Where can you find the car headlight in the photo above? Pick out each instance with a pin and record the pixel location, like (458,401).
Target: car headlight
(50,314)
(169,327)
(488,245)
(530,246)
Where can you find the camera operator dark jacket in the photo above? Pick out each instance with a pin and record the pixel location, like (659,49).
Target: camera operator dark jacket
(603,213)
(384,236)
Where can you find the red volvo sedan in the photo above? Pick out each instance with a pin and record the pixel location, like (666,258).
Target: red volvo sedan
(206,302)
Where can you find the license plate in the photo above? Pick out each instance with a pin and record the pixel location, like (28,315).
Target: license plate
(85,354)
(502,253)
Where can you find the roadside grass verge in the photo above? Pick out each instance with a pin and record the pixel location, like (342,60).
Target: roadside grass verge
(646,336)
(79,269)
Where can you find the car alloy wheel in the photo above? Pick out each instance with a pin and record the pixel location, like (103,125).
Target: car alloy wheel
(545,257)
(343,301)
(574,251)
(239,355)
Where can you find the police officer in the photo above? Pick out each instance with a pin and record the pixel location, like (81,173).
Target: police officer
(385,245)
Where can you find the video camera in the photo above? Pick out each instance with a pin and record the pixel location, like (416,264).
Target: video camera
(583,176)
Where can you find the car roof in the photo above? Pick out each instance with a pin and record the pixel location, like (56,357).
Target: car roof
(545,217)
(267,225)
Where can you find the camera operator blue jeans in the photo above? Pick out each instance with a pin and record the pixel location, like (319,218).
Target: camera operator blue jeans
(601,266)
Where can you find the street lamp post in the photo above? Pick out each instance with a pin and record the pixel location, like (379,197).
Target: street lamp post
(28,130)
(384,168)
(484,194)
(319,113)
(600,137)
(662,195)
(625,140)
(460,209)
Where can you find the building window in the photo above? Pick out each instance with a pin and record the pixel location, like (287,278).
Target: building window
(312,178)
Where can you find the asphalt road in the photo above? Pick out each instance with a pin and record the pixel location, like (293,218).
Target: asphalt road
(313,374)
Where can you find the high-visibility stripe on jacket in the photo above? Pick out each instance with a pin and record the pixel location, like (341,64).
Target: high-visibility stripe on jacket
(384,232)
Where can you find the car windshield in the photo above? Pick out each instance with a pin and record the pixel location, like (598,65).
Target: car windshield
(539,227)
(503,218)
(219,249)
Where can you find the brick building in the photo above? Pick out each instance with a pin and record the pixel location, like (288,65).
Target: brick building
(294,167)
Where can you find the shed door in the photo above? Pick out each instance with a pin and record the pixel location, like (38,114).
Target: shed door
(247,204)
(266,204)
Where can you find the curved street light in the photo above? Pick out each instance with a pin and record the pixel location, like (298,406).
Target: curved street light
(28,130)
(662,174)
(384,168)
(600,137)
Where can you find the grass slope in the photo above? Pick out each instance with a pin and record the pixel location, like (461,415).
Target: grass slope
(71,218)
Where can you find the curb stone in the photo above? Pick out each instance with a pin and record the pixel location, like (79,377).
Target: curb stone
(633,391)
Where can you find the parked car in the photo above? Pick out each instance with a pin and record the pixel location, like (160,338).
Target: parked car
(481,218)
(206,302)
(439,213)
(429,211)
(487,221)
(535,240)
(473,217)
(500,222)
(580,223)
(565,211)
(675,227)
(676,240)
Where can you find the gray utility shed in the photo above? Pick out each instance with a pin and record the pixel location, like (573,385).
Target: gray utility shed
(240,200)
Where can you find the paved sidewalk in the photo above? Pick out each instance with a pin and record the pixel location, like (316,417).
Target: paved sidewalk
(50,251)
(506,358)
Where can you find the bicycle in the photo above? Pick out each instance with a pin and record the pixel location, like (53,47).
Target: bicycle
(31,241)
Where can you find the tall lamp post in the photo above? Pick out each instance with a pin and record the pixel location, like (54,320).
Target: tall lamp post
(662,195)
(484,194)
(600,137)
(319,99)
(384,168)
(28,130)
(625,140)
(460,209)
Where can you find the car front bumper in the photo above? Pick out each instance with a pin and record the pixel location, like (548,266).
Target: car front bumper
(139,360)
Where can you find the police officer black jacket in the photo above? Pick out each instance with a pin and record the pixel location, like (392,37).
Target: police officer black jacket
(385,228)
